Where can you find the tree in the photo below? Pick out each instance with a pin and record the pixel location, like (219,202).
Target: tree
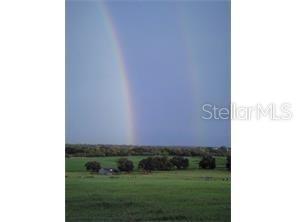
(180,162)
(155,163)
(228,163)
(146,164)
(125,164)
(207,162)
(93,166)
(161,163)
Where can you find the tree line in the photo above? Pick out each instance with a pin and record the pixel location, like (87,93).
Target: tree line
(159,163)
(81,150)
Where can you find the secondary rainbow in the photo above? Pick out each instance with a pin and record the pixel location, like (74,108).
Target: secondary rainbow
(119,58)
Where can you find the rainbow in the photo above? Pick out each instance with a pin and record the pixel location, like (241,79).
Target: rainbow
(119,59)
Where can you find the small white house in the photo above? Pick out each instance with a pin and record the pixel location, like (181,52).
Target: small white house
(108,171)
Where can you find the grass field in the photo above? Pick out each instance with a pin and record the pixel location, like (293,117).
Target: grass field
(185,195)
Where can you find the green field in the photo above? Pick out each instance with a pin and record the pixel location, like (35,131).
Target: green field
(184,195)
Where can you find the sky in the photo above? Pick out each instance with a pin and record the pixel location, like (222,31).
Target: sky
(138,72)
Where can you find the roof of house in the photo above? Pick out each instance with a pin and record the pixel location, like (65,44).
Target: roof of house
(109,169)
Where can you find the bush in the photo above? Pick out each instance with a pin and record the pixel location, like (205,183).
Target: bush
(180,162)
(93,166)
(124,164)
(207,162)
(228,163)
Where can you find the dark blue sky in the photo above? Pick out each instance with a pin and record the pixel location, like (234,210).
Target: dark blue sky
(177,57)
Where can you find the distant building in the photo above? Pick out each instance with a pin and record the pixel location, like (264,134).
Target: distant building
(108,171)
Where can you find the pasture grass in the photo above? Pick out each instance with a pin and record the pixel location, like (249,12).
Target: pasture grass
(177,195)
